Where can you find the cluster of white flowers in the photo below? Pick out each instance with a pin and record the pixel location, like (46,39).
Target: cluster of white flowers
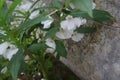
(68,28)
(66,31)
(25,7)
(7,50)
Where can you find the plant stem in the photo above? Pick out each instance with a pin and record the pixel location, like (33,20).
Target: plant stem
(44,72)
(42,67)
(67,3)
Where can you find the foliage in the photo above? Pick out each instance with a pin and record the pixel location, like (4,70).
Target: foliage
(33,30)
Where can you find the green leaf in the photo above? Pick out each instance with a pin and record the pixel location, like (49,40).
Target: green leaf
(98,15)
(3,11)
(1,6)
(58,56)
(21,13)
(67,2)
(1,3)
(1,57)
(79,13)
(30,23)
(15,64)
(60,48)
(12,7)
(86,30)
(1,79)
(56,3)
(84,5)
(48,64)
(37,47)
(21,35)
(102,16)
(51,33)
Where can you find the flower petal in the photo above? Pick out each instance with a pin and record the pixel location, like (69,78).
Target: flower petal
(4,70)
(94,5)
(50,43)
(79,21)
(50,50)
(69,25)
(3,47)
(9,53)
(7,50)
(34,14)
(47,23)
(25,6)
(77,36)
(64,34)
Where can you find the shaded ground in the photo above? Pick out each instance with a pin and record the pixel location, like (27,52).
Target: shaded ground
(61,72)
(58,72)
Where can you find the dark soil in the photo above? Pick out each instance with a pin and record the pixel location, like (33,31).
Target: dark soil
(58,72)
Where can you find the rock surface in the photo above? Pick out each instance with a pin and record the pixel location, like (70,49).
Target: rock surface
(97,56)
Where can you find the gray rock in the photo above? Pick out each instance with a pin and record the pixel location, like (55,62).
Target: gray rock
(97,56)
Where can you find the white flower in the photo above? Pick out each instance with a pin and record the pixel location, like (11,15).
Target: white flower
(10,52)
(79,21)
(34,14)
(68,23)
(47,23)
(25,6)
(3,47)
(64,34)
(34,0)
(2,32)
(42,79)
(4,70)
(27,59)
(50,50)
(7,50)
(51,44)
(72,23)
(72,5)
(77,36)
(94,5)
